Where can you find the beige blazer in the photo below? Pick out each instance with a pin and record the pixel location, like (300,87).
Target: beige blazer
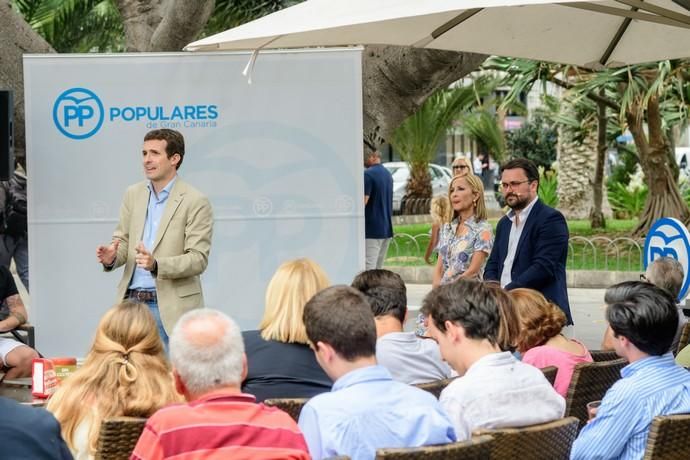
(181,246)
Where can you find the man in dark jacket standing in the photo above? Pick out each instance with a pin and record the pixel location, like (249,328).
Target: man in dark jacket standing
(531,245)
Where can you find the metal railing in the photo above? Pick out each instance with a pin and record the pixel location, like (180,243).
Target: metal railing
(594,253)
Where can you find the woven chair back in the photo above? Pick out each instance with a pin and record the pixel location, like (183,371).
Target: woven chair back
(546,441)
(435,387)
(293,406)
(669,438)
(590,382)
(684,338)
(117,437)
(550,373)
(477,448)
(603,355)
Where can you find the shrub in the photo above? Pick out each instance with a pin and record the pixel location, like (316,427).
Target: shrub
(548,187)
(626,201)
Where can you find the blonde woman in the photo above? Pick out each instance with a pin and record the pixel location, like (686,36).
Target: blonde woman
(461,167)
(440,212)
(540,340)
(125,373)
(280,362)
(466,238)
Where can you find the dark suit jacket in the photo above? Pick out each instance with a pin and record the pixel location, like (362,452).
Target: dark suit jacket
(540,257)
(29,433)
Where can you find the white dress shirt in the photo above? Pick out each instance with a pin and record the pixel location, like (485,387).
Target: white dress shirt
(514,239)
(498,391)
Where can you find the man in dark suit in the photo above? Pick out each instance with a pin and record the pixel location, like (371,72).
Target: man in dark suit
(28,432)
(531,245)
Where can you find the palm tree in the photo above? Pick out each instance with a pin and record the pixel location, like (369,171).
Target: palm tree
(651,94)
(418,137)
(75,26)
(655,96)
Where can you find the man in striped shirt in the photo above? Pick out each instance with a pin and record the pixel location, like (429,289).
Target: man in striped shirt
(644,320)
(218,421)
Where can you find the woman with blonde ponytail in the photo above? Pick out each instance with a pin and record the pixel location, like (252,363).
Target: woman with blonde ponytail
(125,373)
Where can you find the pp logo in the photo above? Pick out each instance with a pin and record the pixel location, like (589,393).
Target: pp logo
(262,206)
(78,113)
(668,237)
(344,203)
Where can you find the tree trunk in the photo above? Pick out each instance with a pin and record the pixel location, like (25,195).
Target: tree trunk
(576,159)
(163,25)
(664,198)
(17,38)
(596,216)
(397,80)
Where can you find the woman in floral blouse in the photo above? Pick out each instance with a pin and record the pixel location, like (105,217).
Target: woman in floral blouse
(465,242)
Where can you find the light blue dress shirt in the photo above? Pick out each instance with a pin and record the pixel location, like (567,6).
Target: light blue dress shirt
(651,386)
(367,410)
(142,279)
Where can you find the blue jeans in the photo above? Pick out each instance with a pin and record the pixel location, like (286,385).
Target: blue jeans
(153,308)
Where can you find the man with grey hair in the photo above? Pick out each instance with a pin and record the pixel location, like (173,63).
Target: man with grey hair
(218,420)
(666,273)
(378,210)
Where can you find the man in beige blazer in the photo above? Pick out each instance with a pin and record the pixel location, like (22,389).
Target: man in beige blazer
(164,235)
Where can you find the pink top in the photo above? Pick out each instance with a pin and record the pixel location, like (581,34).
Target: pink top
(544,356)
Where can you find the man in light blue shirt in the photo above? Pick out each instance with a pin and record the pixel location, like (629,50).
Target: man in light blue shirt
(644,320)
(409,358)
(163,237)
(366,409)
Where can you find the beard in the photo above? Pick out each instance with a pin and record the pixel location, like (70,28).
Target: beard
(517,203)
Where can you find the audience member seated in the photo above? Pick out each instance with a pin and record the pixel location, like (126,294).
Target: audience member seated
(408,357)
(281,365)
(644,319)
(366,409)
(124,373)
(666,273)
(30,433)
(16,357)
(683,358)
(495,391)
(540,340)
(218,421)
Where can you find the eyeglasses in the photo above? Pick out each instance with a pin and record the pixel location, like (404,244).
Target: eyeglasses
(460,166)
(514,184)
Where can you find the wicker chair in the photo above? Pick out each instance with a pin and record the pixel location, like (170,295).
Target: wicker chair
(435,387)
(590,382)
(546,441)
(669,438)
(117,437)
(477,448)
(293,406)
(603,355)
(550,373)
(684,338)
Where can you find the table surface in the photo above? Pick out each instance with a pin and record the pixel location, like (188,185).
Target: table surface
(20,391)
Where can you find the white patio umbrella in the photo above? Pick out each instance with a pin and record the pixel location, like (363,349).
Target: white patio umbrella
(592,34)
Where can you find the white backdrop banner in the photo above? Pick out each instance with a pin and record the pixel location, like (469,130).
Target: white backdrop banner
(280,159)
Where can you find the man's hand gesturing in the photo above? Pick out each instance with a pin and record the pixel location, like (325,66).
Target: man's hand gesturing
(106,254)
(144,258)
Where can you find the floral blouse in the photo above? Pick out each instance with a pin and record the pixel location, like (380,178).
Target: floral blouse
(457,251)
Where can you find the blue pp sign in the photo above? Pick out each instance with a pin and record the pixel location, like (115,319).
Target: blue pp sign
(668,237)
(78,113)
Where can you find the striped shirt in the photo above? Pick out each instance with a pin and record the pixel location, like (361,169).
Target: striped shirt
(650,386)
(221,426)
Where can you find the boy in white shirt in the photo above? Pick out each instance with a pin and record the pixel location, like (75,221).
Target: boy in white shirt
(470,320)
